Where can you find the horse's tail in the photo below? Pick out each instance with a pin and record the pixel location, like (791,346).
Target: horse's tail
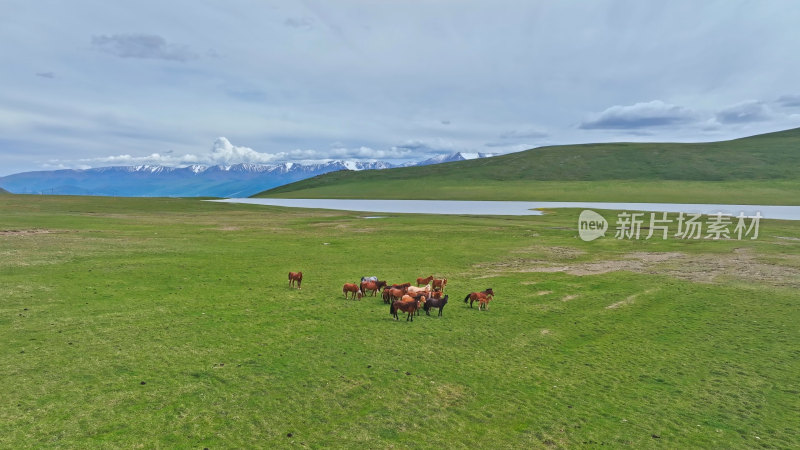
(466,298)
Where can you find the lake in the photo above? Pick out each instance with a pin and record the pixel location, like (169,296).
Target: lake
(513,208)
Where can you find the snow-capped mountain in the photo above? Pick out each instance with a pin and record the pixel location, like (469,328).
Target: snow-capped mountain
(458,156)
(237,180)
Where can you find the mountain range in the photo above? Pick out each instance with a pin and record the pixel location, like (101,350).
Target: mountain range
(237,180)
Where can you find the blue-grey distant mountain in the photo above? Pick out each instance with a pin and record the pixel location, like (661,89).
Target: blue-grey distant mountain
(238,180)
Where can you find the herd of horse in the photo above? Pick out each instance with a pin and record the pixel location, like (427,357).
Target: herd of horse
(427,294)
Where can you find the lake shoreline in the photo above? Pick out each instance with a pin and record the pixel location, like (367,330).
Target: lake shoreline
(516,208)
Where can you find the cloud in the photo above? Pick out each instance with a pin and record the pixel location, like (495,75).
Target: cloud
(525,133)
(49,75)
(301,23)
(144,46)
(640,115)
(248,95)
(224,153)
(751,111)
(420,146)
(789,100)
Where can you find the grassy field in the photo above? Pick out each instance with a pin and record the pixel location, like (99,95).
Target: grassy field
(168,323)
(755,170)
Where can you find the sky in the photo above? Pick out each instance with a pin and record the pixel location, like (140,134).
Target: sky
(88,83)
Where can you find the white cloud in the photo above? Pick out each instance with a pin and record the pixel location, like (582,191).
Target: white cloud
(223,152)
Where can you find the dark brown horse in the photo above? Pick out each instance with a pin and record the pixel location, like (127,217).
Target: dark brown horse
(435,303)
(295,277)
(482,298)
(351,288)
(387,295)
(408,306)
(421,281)
(372,286)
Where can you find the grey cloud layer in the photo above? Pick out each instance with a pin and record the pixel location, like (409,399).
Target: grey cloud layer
(146,46)
(89,80)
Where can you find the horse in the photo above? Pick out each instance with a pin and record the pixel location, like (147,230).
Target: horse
(418,290)
(373,286)
(394,294)
(387,294)
(409,307)
(421,281)
(420,298)
(295,276)
(351,287)
(482,297)
(436,294)
(403,286)
(435,303)
(363,279)
(439,283)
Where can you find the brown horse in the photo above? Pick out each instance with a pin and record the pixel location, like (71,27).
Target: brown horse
(403,286)
(420,298)
(394,294)
(295,277)
(421,281)
(439,284)
(373,286)
(411,306)
(351,287)
(482,298)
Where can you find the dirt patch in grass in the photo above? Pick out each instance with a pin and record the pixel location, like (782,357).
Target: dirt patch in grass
(570,297)
(742,264)
(540,293)
(558,253)
(628,300)
(636,261)
(25,232)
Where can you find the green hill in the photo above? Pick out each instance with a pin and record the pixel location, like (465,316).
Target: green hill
(3,191)
(756,169)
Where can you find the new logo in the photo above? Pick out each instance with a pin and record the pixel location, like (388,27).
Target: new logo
(591,225)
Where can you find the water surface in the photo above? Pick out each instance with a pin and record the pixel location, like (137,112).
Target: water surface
(514,208)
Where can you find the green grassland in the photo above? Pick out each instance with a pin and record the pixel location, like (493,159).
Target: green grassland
(168,323)
(754,170)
